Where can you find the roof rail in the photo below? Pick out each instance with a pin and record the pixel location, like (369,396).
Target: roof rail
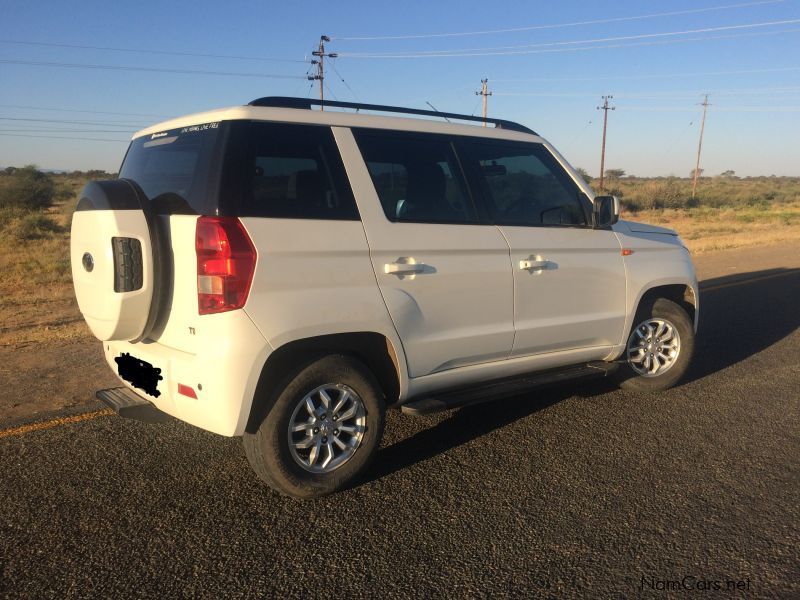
(307,103)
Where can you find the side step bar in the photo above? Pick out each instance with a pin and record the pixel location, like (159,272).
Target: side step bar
(505,388)
(131,405)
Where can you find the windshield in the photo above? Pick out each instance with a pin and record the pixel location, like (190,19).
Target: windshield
(175,168)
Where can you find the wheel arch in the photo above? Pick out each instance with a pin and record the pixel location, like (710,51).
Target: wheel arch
(375,350)
(683,294)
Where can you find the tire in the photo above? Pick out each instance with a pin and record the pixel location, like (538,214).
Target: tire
(277,461)
(652,312)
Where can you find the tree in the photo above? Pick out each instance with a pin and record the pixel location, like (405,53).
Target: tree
(699,173)
(583,173)
(727,174)
(615,173)
(27,188)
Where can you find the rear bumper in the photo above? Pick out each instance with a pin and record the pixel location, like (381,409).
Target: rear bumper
(222,372)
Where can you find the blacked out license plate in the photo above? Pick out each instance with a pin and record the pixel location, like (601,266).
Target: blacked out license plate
(139,373)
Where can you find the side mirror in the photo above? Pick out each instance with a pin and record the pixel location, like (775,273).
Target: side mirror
(606,211)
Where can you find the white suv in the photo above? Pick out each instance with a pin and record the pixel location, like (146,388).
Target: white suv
(287,274)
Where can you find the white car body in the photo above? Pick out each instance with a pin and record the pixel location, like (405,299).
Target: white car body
(476,317)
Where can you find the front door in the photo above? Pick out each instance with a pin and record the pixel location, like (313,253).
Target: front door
(445,278)
(569,279)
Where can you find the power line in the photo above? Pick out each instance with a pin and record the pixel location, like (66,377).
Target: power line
(583,130)
(149,51)
(650,76)
(620,38)
(757,109)
(60,130)
(149,69)
(558,25)
(98,112)
(70,122)
(682,132)
(661,94)
(347,85)
(588,48)
(474,108)
(518,49)
(717,109)
(330,91)
(56,137)
(299,87)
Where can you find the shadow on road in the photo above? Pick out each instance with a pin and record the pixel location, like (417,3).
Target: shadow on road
(740,315)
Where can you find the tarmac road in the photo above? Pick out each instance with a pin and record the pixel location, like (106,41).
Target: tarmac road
(571,491)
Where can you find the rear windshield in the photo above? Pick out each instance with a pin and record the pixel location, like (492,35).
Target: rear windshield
(177,168)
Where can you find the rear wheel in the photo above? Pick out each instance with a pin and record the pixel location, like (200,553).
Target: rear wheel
(322,430)
(659,348)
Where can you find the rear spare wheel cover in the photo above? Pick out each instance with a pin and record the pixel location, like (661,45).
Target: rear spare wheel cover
(115,259)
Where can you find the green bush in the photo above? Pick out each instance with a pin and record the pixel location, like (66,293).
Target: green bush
(660,194)
(35,226)
(631,206)
(26,188)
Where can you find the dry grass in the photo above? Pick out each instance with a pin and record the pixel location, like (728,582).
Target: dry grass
(712,192)
(37,303)
(707,229)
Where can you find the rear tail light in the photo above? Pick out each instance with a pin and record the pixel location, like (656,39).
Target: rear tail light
(226,261)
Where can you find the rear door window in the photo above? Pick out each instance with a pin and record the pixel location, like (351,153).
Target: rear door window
(523,184)
(417,177)
(288,171)
(175,168)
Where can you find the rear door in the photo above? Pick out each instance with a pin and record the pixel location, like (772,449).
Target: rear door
(287,184)
(443,272)
(569,279)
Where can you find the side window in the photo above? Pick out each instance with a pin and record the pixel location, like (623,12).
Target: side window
(417,177)
(524,185)
(295,172)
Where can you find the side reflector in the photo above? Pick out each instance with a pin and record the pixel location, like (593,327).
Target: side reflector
(627,252)
(185,390)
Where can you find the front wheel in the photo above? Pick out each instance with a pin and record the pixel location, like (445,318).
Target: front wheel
(322,430)
(659,347)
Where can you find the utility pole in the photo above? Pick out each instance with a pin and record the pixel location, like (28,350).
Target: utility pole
(605,108)
(320,76)
(485,93)
(705,106)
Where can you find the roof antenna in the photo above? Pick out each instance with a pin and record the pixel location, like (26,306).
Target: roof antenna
(436,110)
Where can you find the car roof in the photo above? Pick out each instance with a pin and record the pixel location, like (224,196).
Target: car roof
(337,118)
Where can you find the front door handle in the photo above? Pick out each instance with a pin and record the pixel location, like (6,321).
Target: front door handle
(402,267)
(534,262)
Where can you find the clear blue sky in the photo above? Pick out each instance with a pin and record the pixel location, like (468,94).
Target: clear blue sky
(752,73)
